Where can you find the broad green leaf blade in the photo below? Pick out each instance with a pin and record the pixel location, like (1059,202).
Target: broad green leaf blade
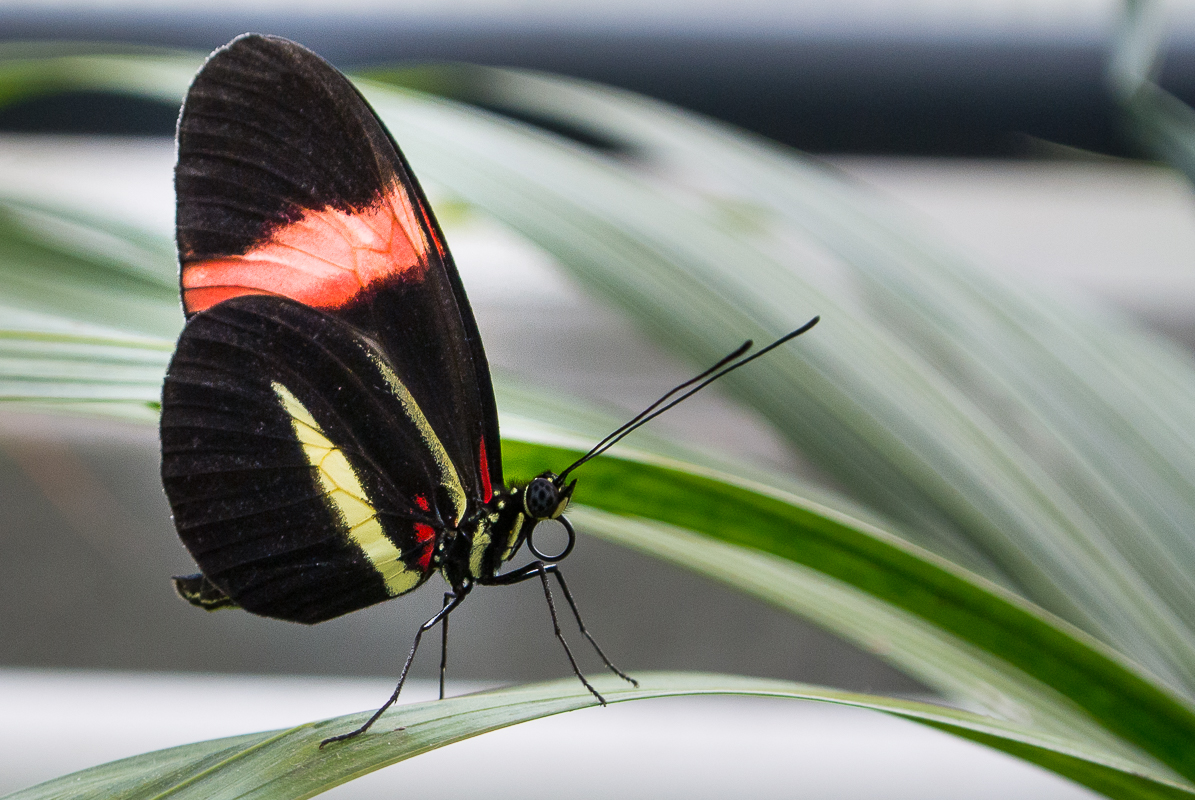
(289,764)
(1096,679)
(944,657)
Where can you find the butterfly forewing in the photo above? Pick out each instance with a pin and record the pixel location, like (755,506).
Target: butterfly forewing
(328,413)
(289,185)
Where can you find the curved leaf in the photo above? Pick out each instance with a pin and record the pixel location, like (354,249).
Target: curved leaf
(290,763)
(1101,682)
(87,269)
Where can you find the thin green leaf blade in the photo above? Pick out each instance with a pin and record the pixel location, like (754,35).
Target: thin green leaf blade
(59,364)
(87,269)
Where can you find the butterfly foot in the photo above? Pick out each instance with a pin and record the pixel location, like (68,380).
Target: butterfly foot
(353,734)
(601,700)
(341,738)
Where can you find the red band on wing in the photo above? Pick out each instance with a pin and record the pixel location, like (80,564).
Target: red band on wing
(324,260)
(487,489)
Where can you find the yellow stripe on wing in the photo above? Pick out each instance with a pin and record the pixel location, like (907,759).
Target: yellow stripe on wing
(347,497)
(449,478)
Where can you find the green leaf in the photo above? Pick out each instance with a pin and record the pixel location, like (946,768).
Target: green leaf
(32,69)
(89,313)
(1096,679)
(290,763)
(87,269)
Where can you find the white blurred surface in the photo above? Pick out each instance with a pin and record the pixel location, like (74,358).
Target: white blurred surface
(691,748)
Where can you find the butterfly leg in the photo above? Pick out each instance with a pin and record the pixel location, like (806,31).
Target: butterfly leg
(448,598)
(541,569)
(577,615)
(440,617)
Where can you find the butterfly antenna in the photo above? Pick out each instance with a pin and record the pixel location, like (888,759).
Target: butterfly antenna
(669,398)
(629,425)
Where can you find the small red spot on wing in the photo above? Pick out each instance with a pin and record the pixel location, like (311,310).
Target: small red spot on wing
(431,229)
(487,489)
(426,537)
(424,534)
(324,260)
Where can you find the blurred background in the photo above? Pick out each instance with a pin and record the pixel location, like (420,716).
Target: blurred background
(991,121)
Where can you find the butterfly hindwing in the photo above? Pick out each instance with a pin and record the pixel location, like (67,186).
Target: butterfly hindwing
(305,479)
(289,186)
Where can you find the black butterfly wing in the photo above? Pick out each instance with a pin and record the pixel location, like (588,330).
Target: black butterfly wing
(295,463)
(289,185)
(328,411)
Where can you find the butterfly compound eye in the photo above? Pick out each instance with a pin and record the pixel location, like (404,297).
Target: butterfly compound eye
(540,499)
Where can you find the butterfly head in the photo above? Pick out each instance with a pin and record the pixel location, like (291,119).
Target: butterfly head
(546,497)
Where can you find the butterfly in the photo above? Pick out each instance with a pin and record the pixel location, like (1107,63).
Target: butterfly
(329,430)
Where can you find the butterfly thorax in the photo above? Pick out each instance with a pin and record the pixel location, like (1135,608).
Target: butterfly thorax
(476,551)
(484,541)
